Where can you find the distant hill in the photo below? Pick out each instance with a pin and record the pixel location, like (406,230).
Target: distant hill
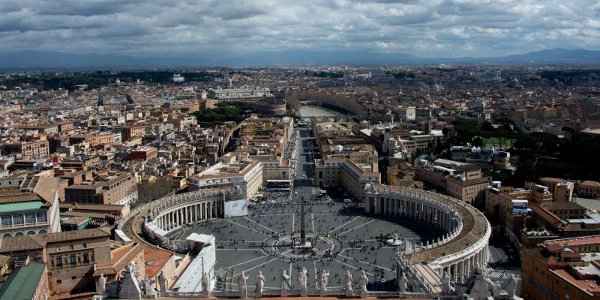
(59,60)
(551,56)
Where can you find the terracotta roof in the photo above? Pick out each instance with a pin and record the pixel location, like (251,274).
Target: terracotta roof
(19,197)
(156,259)
(77,235)
(21,243)
(46,187)
(557,245)
(589,286)
(120,257)
(119,253)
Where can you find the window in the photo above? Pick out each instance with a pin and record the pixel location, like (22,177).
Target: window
(72,260)
(41,217)
(18,219)
(6,220)
(30,218)
(59,261)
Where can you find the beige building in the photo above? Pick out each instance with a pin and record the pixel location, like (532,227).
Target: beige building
(588,189)
(244,178)
(585,188)
(463,181)
(115,189)
(339,141)
(266,140)
(33,150)
(562,269)
(99,138)
(344,173)
(70,257)
(469,186)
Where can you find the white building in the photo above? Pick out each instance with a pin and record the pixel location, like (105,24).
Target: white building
(244,92)
(243,180)
(199,276)
(177,78)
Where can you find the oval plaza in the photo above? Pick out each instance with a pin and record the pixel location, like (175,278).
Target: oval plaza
(338,231)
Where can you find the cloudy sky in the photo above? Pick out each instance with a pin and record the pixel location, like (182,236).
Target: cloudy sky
(441,28)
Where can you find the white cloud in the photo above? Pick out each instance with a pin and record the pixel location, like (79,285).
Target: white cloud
(423,27)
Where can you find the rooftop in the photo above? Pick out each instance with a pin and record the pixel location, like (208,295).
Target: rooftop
(155,259)
(35,242)
(21,206)
(559,244)
(23,283)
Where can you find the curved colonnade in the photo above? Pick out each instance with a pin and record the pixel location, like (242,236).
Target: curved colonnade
(167,214)
(464,247)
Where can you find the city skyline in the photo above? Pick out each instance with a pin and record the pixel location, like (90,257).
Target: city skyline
(326,149)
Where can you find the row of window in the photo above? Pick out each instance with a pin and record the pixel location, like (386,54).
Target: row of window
(71,260)
(21,219)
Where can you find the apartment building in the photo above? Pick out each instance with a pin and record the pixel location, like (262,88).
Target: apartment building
(339,141)
(551,212)
(463,181)
(344,173)
(100,138)
(266,140)
(34,150)
(120,189)
(132,131)
(583,188)
(562,269)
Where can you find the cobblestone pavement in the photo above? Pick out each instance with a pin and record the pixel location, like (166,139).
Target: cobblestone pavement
(342,239)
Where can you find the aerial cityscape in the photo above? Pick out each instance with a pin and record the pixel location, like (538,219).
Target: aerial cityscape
(409,149)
